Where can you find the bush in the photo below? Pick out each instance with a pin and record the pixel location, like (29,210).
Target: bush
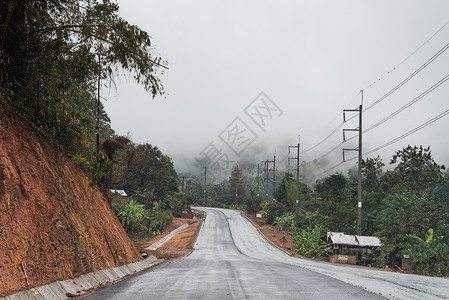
(431,256)
(309,242)
(136,218)
(252,202)
(272,209)
(285,222)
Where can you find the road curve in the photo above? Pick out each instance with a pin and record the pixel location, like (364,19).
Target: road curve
(232,261)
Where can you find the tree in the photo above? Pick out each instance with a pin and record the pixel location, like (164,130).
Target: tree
(236,189)
(338,196)
(52,56)
(416,169)
(252,202)
(286,194)
(372,193)
(110,146)
(146,169)
(282,192)
(372,170)
(403,216)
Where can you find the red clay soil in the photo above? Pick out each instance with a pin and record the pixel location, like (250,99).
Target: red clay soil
(279,238)
(180,244)
(54,224)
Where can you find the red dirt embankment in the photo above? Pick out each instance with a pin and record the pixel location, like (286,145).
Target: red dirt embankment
(182,243)
(53,224)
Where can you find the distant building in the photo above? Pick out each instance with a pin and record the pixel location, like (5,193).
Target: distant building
(339,243)
(120,192)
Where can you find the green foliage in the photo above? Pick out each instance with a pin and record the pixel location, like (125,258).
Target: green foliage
(310,241)
(339,202)
(429,255)
(252,202)
(404,218)
(52,54)
(270,209)
(136,218)
(180,203)
(235,186)
(416,170)
(285,222)
(407,208)
(147,169)
(132,215)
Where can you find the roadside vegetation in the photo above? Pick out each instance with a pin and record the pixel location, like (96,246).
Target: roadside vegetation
(406,206)
(56,57)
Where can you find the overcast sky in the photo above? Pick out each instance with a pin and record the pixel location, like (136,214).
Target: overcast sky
(309,58)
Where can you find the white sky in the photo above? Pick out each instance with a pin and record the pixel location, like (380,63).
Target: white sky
(309,57)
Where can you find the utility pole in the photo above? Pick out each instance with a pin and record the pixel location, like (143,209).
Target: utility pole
(258,180)
(274,175)
(359,150)
(267,162)
(236,187)
(205,174)
(97,126)
(297,179)
(183,180)
(266,178)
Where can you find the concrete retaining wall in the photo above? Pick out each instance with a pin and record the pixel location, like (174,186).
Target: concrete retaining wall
(66,289)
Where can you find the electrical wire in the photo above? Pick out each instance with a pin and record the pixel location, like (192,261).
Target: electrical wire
(416,99)
(416,72)
(325,139)
(422,126)
(422,95)
(416,129)
(408,57)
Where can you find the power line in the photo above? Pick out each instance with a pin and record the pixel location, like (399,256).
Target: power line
(417,71)
(416,99)
(416,129)
(325,139)
(422,126)
(336,166)
(408,57)
(422,95)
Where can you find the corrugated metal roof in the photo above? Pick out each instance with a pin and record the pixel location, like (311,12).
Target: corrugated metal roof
(120,192)
(368,241)
(339,238)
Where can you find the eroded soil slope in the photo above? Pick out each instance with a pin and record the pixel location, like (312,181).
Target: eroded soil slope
(53,224)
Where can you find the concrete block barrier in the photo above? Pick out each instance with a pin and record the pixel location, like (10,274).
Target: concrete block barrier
(48,293)
(26,295)
(66,289)
(58,289)
(125,270)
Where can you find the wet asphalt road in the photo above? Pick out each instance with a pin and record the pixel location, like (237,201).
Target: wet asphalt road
(232,261)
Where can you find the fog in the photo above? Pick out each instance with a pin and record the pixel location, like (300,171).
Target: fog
(249,77)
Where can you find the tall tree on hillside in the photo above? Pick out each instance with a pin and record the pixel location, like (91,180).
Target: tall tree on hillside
(236,189)
(372,193)
(416,170)
(52,55)
(146,169)
(338,196)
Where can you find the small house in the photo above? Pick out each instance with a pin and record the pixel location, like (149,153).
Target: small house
(341,245)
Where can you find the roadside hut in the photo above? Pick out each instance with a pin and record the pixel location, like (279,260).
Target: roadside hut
(341,245)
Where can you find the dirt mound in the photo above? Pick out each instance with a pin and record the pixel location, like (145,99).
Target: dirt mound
(53,224)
